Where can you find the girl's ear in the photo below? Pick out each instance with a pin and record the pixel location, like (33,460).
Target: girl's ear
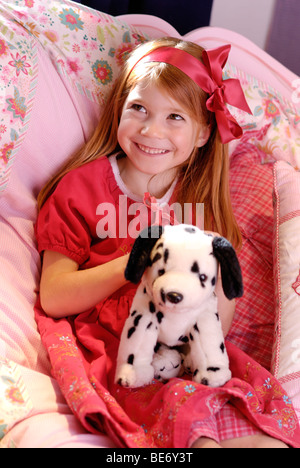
(140,254)
(203,137)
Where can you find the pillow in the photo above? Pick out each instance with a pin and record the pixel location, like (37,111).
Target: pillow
(55,131)
(61,109)
(18,75)
(286,360)
(86,47)
(251,187)
(15,402)
(270,90)
(275,124)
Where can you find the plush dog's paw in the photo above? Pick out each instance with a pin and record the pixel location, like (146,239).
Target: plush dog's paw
(212,376)
(166,363)
(131,376)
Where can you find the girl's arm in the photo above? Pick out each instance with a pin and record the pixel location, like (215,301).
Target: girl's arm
(65,290)
(226,308)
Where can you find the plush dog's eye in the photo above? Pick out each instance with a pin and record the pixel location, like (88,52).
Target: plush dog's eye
(161,272)
(203,278)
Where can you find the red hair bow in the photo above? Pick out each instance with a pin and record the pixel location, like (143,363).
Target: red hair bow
(208,75)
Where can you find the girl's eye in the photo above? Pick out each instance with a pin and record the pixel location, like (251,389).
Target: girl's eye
(175,117)
(138,107)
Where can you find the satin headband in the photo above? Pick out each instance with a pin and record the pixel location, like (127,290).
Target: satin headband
(208,75)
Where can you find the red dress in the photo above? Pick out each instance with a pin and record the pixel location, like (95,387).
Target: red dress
(88,204)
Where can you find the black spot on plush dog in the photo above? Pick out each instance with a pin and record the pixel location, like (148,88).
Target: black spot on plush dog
(175,305)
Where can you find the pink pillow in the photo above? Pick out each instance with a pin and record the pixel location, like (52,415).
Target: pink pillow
(56,71)
(251,191)
(55,131)
(286,362)
(286,353)
(86,47)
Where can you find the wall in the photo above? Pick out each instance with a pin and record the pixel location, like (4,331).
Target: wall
(251,18)
(284,37)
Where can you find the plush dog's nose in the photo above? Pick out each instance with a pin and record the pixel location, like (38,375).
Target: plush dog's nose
(174,297)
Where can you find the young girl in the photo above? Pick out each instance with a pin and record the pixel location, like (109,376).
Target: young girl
(164,131)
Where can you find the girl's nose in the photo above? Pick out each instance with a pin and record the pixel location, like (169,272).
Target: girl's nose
(152,128)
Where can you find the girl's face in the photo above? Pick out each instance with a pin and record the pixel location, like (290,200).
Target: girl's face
(156,132)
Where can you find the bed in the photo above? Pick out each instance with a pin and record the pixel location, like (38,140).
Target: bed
(58,60)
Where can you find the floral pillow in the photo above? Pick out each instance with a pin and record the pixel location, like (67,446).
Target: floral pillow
(15,402)
(286,356)
(18,75)
(86,46)
(274,127)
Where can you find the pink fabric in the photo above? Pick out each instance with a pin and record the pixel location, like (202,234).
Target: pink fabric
(227,424)
(53,430)
(51,423)
(245,55)
(20,261)
(289,198)
(251,191)
(291,384)
(286,362)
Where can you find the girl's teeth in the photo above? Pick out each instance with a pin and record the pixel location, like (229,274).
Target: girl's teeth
(146,149)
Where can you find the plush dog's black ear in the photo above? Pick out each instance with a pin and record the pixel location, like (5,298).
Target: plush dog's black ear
(232,280)
(139,256)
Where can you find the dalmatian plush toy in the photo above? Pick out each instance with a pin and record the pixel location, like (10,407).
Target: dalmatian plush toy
(175,305)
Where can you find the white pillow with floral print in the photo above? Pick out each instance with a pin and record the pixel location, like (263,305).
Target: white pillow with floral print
(86,46)
(274,126)
(15,402)
(286,357)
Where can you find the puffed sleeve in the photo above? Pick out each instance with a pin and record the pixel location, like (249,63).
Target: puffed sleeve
(61,225)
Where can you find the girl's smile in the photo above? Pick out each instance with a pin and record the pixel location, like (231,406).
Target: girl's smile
(157,134)
(151,151)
